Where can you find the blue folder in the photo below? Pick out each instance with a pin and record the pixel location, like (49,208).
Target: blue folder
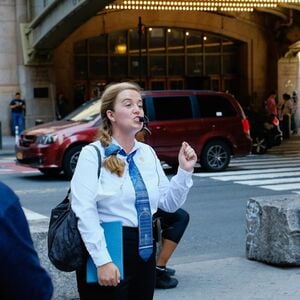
(114,240)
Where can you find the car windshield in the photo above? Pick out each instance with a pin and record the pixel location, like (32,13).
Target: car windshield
(86,112)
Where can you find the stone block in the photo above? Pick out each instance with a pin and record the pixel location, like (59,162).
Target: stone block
(273,230)
(65,287)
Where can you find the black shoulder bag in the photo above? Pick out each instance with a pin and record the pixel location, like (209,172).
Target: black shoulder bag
(66,249)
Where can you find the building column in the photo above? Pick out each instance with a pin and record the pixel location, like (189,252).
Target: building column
(9,82)
(36,80)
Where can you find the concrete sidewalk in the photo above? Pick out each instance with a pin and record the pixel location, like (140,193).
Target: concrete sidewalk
(233,278)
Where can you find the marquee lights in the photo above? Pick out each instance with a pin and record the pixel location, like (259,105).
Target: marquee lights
(208,5)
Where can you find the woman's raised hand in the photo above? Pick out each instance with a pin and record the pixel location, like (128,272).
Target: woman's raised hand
(187,157)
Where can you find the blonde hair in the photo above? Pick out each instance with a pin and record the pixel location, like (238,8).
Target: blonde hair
(108,99)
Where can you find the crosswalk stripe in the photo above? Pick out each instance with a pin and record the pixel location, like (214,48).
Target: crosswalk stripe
(269,181)
(265,159)
(255,176)
(266,166)
(40,191)
(31,215)
(265,162)
(227,174)
(278,170)
(282,187)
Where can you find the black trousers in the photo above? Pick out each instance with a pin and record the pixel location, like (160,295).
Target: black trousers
(139,276)
(174,224)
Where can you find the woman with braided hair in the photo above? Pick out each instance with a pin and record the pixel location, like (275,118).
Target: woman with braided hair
(131,187)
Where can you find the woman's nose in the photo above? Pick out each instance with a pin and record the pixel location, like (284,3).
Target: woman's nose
(136,108)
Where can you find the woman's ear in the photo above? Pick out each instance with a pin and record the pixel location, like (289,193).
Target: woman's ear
(110,115)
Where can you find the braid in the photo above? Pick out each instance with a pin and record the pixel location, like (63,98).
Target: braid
(112,162)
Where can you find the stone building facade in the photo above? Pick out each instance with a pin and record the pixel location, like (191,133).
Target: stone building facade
(261,56)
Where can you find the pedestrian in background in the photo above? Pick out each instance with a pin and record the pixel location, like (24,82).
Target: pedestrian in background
(21,275)
(294,125)
(18,110)
(271,104)
(131,178)
(60,107)
(286,107)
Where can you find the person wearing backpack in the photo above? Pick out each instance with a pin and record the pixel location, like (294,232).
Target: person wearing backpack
(131,187)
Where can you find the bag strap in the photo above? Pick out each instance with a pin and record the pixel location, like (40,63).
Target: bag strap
(99,159)
(99,165)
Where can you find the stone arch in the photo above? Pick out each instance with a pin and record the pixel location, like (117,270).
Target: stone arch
(256,38)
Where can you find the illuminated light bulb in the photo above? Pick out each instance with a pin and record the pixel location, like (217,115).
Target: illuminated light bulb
(209,5)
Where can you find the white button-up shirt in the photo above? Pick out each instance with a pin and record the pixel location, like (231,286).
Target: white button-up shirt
(112,198)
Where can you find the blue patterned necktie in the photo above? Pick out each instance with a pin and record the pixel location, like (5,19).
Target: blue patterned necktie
(142,206)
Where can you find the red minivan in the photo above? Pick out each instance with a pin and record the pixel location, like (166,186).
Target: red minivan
(212,122)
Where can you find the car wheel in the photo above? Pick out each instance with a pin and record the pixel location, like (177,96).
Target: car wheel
(50,172)
(259,145)
(70,160)
(215,156)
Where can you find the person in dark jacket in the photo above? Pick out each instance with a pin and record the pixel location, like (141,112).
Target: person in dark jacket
(21,274)
(17,107)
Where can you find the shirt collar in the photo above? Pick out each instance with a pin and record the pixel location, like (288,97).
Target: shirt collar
(136,146)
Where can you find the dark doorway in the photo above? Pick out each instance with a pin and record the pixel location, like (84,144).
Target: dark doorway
(198,83)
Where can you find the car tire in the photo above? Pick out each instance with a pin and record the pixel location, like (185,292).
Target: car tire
(70,160)
(215,156)
(50,172)
(259,145)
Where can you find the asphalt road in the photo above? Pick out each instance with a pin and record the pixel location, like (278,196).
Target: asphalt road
(216,208)
(217,205)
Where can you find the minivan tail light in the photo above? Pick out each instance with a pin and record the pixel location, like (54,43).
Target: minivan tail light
(246,126)
(275,121)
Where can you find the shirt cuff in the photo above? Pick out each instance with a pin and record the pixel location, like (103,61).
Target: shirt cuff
(101,257)
(185,177)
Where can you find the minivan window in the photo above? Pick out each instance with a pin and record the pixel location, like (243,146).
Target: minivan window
(172,108)
(86,112)
(212,106)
